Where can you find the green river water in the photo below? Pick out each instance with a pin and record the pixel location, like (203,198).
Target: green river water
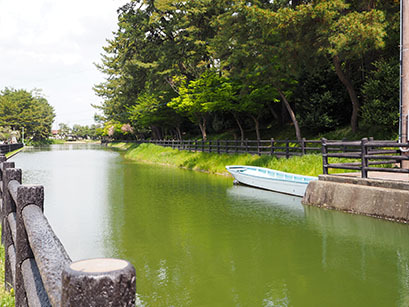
(197,240)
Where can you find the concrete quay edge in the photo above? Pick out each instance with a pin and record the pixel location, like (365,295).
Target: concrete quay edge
(371,182)
(372,197)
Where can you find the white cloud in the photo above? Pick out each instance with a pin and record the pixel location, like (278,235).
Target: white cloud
(52,45)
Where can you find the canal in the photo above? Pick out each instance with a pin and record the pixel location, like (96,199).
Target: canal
(197,240)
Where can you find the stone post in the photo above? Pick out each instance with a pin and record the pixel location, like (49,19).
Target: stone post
(2,159)
(98,282)
(26,195)
(9,174)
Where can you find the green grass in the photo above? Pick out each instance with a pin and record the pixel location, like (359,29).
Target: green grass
(6,297)
(55,141)
(12,153)
(310,165)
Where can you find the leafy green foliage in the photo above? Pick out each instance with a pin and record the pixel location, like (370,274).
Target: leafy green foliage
(19,108)
(243,64)
(208,93)
(331,29)
(381,92)
(318,101)
(78,131)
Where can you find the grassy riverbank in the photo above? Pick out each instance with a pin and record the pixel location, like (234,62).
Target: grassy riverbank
(14,152)
(215,163)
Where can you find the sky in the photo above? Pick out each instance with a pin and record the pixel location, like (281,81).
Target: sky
(52,45)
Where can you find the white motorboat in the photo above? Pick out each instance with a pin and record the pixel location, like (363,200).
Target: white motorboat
(269,179)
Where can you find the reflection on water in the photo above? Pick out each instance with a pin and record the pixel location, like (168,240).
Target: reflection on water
(75,179)
(196,240)
(265,203)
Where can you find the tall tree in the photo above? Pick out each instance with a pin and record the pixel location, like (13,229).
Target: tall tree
(249,55)
(20,108)
(330,28)
(157,42)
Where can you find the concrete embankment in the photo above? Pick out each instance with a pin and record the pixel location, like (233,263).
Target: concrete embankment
(382,198)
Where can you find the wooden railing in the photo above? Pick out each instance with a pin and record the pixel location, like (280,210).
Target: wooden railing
(36,263)
(365,155)
(272,147)
(6,148)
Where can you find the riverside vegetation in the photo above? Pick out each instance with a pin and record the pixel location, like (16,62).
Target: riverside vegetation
(214,163)
(241,67)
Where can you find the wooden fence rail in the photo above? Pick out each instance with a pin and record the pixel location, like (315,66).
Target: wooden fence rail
(272,147)
(36,263)
(6,148)
(365,154)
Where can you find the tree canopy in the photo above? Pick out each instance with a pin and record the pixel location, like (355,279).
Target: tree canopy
(29,110)
(176,67)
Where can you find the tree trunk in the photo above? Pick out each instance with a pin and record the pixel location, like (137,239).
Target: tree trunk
(157,133)
(351,92)
(274,113)
(283,118)
(257,126)
(154,132)
(240,126)
(292,115)
(178,133)
(202,126)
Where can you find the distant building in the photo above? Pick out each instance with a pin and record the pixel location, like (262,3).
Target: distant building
(56,134)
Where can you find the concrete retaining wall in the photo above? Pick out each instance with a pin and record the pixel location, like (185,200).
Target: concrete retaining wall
(382,199)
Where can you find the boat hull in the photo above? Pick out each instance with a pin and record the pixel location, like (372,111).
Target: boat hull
(286,186)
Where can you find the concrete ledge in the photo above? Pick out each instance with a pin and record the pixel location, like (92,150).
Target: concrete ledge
(386,203)
(371,182)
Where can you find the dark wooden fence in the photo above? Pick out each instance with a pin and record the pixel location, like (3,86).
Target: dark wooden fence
(272,147)
(36,263)
(6,148)
(365,155)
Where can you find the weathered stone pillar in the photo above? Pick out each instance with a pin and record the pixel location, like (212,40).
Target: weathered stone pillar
(9,174)
(99,282)
(26,195)
(2,159)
